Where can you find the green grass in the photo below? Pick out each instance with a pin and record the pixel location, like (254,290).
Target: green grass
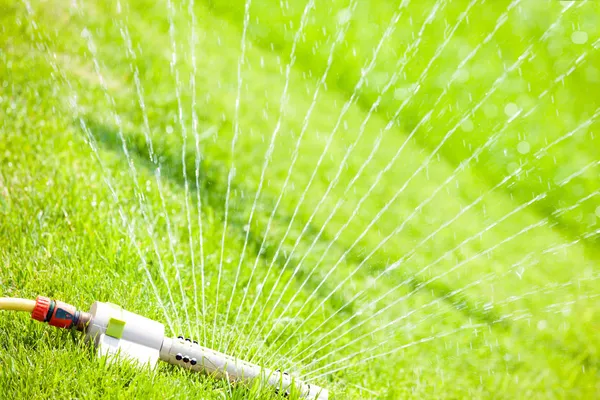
(528,282)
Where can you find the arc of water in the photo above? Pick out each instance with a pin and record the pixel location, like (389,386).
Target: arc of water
(91,141)
(395,321)
(361,131)
(183,127)
(365,71)
(501,20)
(282,103)
(390,124)
(389,203)
(192,14)
(496,84)
(409,218)
(489,143)
(146,212)
(320,84)
(515,315)
(489,277)
(236,134)
(148,138)
(422,285)
(585,124)
(387,353)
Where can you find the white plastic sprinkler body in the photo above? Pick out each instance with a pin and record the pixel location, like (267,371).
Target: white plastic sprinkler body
(117,332)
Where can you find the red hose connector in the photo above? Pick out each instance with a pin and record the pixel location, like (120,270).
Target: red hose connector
(59,314)
(42,306)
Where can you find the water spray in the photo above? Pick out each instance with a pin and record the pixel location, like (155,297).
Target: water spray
(118,333)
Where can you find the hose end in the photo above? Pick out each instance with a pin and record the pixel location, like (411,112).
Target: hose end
(59,314)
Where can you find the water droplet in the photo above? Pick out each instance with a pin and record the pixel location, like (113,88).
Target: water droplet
(523,147)
(542,325)
(579,37)
(578,190)
(490,110)
(511,109)
(512,167)
(598,211)
(404,92)
(467,125)
(462,75)
(555,48)
(343,16)
(169,129)
(592,74)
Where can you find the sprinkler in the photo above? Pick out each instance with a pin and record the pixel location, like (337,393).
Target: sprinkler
(116,332)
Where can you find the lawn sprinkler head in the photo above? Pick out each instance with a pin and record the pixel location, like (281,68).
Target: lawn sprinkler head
(117,333)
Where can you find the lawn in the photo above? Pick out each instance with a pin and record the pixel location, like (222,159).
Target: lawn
(391,199)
